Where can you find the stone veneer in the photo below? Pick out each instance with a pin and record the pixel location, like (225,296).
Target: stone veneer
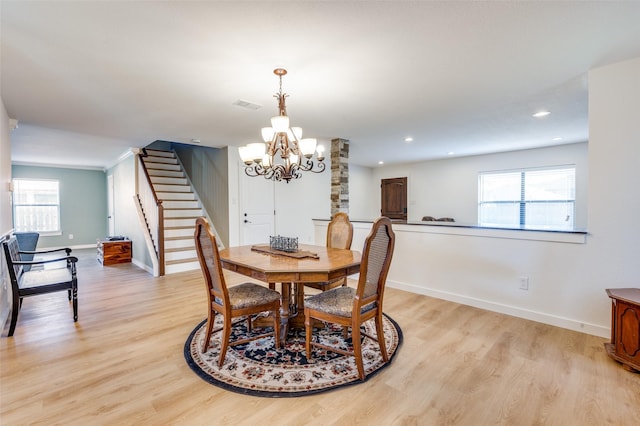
(339,176)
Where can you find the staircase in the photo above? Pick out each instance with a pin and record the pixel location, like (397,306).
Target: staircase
(181,208)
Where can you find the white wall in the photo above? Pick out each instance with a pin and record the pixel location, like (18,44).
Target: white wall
(363,201)
(449,187)
(6,214)
(126,216)
(567,279)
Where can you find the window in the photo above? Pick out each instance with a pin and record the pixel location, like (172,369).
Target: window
(531,198)
(36,205)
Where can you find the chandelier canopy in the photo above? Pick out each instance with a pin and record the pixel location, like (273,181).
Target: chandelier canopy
(284,155)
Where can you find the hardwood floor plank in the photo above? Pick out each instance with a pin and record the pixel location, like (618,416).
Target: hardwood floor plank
(123,363)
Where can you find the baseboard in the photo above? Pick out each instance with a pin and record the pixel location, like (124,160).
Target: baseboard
(141,265)
(541,317)
(77,247)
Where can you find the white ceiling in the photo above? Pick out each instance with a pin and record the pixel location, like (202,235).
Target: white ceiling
(86,80)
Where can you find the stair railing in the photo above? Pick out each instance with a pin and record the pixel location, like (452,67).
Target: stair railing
(152,211)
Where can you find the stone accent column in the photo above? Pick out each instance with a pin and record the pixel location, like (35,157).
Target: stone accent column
(339,176)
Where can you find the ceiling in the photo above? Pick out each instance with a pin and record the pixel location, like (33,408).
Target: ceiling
(87,80)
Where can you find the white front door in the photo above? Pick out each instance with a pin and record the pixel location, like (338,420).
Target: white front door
(257,209)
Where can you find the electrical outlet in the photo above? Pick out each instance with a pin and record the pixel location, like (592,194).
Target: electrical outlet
(524,283)
(71,236)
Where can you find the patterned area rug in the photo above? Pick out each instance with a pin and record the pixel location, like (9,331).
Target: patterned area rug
(258,368)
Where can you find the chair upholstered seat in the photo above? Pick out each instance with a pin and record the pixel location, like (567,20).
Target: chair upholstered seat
(45,277)
(247,295)
(338,302)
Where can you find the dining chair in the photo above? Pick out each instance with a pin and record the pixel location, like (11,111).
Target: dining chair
(351,307)
(240,301)
(339,235)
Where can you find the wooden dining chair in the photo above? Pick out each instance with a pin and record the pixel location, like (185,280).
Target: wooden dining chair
(351,307)
(240,301)
(339,235)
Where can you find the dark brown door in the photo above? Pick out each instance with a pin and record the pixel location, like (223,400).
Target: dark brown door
(394,198)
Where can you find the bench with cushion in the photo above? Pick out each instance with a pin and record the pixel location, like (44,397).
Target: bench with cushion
(39,280)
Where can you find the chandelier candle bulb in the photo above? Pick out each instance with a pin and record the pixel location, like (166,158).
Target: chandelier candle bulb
(267,133)
(308,147)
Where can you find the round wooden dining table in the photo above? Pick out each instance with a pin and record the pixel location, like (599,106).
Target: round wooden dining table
(308,264)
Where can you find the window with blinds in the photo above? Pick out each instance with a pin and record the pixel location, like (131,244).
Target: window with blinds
(36,205)
(531,198)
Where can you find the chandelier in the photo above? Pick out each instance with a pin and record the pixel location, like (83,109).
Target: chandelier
(284,155)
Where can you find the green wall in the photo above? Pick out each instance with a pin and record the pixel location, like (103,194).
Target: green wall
(83,203)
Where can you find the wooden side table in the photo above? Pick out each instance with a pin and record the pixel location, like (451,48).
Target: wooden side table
(625,327)
(114,252)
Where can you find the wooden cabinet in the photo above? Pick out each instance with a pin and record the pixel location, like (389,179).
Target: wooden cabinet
(625,327)
(113,252)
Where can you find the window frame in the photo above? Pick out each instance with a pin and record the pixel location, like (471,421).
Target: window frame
(523,201)
(16,204)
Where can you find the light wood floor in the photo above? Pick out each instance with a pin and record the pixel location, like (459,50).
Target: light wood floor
(123,363)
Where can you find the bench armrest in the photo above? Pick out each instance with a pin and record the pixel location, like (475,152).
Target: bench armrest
(66,249)
(71,259)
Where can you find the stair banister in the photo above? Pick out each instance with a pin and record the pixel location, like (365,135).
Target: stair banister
(153,211)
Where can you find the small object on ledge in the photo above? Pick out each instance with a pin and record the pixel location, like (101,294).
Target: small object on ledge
(428,218)
(298,254)
(287,244)
(446,219)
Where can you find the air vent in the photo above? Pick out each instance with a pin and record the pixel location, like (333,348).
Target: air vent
(246,104)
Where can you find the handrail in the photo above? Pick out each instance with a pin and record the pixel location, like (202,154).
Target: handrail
(153,211)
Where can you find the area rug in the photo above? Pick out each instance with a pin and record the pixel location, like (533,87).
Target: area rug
(257,368)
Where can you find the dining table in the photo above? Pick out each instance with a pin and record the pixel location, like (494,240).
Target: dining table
(307,264)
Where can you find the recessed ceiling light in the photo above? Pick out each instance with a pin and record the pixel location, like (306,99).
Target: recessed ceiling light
(408,139)
(195,140)
(557,139)
(541,114)
(450,153)
(380,162)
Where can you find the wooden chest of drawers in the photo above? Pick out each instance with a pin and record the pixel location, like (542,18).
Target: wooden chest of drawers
(113,252)
(625,327)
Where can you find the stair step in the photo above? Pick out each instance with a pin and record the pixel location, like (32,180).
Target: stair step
(165,173)
(183,253)
(173,213)
(160,160)
(176,195)
(180,221)
(159,153)
(181,204)
(182,267)
(168,180)
(171,188)
(175,262)
(186,231)
(161,166)
(179,242)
